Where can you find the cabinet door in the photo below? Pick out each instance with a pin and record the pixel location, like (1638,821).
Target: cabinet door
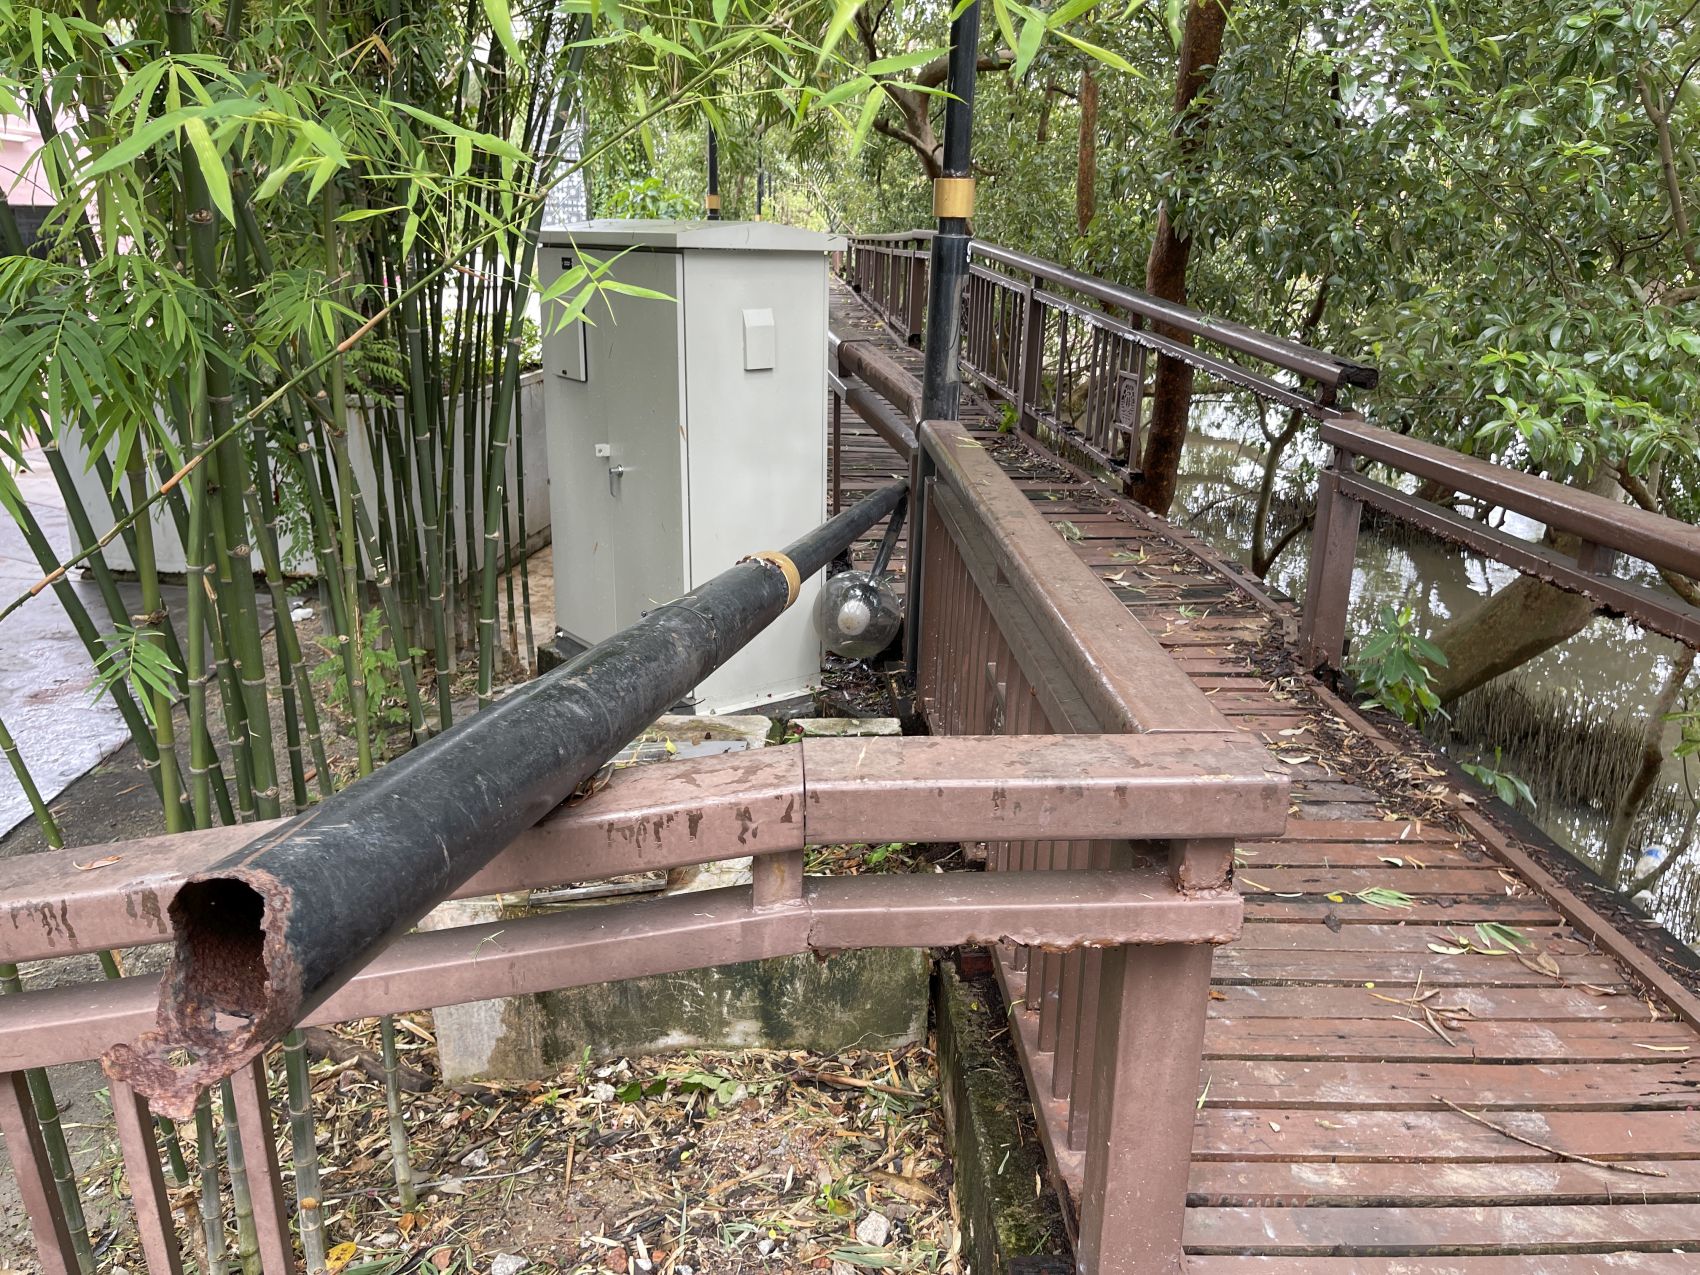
(615,449)
(575,427)
(644,474)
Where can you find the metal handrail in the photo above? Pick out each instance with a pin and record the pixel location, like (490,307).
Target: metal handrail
(1604,527)
(1664,542)
(1321,366)
(1312,364)
(1069,352)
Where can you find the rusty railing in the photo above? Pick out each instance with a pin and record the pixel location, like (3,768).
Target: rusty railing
(1078,790)
(1070,353)
(1605,528)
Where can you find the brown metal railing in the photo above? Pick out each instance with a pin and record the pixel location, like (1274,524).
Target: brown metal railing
(890,271)
(1605,528)
(1070,353)
(1022,639)
(651,818)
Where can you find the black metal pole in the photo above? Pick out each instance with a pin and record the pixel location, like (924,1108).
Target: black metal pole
(761,190)
(712,201)
(265,936)
(947,272)
(953,203)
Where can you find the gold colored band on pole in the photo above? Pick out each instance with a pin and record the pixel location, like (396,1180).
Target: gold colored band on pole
(793,579)
(953,196)
(712,203)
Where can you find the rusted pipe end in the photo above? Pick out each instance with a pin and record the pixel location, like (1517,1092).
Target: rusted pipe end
(231,988)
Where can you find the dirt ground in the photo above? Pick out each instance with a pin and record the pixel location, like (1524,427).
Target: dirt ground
(756,1161)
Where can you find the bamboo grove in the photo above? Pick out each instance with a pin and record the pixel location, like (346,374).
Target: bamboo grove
(280,309)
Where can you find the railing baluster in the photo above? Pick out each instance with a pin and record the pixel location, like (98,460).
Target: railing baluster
(915,317)
(1152,1004)
(1032,359)
(777,879)
(1328,584)
(265,1182)
(154,1225)
(36,1188)
(1101,855)
(1073,973)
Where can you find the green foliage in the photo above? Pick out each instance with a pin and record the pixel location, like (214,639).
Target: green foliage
(648,197)
(1391,668)
(132,657)
(380,667)
(1504,785)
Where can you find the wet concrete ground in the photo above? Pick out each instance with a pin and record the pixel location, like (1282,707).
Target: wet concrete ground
(45,671)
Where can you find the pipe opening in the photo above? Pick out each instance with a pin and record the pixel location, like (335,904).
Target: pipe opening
(220,950)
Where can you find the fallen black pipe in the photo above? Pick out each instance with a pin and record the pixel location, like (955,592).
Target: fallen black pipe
(265,936)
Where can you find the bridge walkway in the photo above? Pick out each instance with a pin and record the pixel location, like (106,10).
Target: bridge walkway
(1428,1054)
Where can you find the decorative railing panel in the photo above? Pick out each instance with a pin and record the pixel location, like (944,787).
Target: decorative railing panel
(1071,355)
(1020,638)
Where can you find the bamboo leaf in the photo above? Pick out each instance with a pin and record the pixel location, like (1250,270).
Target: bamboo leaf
(839,92)
(843,14)
(1101,54)
(1069,12)
(502,23)
(1032,32)
(212,166)
(865,122)
(1006,28)
(907,61)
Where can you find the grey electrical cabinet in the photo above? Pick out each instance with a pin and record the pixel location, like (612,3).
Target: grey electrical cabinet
(686,433)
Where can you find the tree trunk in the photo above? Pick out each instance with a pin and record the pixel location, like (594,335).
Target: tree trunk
(1165,270)
(1635,793)
(1086,170)
(1513,626)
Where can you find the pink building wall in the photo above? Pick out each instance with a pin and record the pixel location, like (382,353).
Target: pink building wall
(19,176)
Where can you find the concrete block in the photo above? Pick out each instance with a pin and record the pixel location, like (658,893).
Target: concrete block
(866,999)
(838,727)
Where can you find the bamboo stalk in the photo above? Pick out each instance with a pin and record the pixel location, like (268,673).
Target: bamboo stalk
(524,540)
(236,578)
(425,479)
(153,614)
(212,1203)
(229,685)
(241,1200)
(398,1124)
(309,1215)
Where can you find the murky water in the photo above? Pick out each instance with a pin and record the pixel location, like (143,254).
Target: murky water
(1612,667)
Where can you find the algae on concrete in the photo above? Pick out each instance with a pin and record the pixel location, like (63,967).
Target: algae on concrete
(870,998)
(993,1141)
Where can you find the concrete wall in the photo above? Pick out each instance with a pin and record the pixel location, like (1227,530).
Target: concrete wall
(298,559)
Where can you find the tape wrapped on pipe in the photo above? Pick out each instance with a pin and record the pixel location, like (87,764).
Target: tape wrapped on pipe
(953,197)
(793,578)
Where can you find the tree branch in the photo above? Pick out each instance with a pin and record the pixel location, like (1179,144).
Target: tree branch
(927,152)
(936,72)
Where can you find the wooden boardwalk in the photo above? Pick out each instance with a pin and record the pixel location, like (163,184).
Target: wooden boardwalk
(1388,1089)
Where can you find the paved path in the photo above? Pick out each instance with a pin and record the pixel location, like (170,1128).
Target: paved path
(45,671)
(1391,1086)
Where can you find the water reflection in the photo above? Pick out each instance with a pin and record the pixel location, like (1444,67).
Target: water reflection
(1607,676)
